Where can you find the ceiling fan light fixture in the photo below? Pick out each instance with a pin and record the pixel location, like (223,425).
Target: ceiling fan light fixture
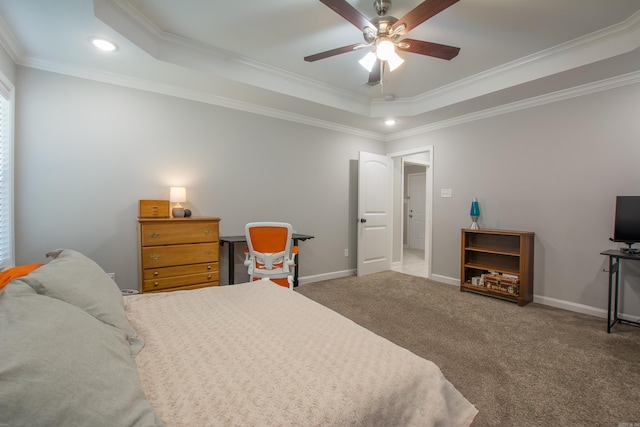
(385,49)
(368,61)
(394,61)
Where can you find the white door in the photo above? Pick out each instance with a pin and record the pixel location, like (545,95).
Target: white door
(375,180)
(416,191)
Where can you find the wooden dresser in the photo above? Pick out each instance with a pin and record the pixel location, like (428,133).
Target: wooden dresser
(178,253)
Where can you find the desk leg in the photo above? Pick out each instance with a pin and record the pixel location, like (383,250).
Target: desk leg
(231,268)
(614,289)
(295,269)
(610,294)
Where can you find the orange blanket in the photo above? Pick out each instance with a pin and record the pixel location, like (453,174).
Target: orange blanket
(13,273)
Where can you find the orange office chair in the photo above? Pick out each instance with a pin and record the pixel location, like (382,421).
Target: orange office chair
(269,253)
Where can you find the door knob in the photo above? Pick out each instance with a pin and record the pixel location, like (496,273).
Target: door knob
(363,220)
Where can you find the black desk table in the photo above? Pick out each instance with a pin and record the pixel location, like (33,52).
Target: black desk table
(614,285)
(232,240)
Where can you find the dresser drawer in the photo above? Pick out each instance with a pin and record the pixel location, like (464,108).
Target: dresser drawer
(167,256)
(164,272)
(175,234)
(209,279)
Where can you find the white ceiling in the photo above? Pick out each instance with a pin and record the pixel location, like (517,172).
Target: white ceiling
(249,54)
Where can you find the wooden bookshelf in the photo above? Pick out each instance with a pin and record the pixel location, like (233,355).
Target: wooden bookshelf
(505,258)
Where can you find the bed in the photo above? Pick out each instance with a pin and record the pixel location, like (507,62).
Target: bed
(78,353)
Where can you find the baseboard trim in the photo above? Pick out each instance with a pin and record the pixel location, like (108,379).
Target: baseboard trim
(326,276)
(551,302)
(446,279)
(570,306)
(540,299)
(580,308)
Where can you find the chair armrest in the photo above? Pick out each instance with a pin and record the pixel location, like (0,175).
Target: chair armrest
(247,261)
(294,252)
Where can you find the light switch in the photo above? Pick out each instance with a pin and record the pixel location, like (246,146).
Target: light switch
(445,192)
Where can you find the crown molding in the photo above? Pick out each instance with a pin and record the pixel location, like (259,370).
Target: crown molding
(120,15)
(9,42)
(608,42)
(131,23)
(586,89)
(192,95)
(199,96)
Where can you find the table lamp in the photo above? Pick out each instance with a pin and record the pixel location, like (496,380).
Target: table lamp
(475,213)
(177,195)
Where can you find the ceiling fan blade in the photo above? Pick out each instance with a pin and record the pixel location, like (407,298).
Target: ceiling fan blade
(374,75)
(332,52)
(422,12)
(430,49)
(348,12)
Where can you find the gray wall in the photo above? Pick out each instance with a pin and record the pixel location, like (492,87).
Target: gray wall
(86,152)
(554,170)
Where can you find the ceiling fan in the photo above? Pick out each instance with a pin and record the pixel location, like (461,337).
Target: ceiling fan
(385,34)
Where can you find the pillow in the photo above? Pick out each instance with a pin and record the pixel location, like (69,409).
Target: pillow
(76,279)
(18,287)
(12,273)
(61,366)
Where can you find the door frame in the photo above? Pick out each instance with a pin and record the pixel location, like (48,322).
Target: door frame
(422,176)
(399,207)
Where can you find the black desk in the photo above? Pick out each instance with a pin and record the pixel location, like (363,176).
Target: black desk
(614,285)
(232,240)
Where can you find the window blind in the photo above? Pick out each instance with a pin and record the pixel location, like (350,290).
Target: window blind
(6,175)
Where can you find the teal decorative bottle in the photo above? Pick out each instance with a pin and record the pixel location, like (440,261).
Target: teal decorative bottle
(475,214)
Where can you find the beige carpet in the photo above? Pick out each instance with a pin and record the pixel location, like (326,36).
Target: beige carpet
(520,366)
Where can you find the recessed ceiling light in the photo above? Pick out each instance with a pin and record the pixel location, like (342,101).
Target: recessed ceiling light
(390,122)
(103,44)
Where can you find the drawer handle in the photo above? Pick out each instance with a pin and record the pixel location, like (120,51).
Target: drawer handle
(154,234)
(209,277)
(208,267)
(155,273)
(208,232)
(155,284)
(154,257)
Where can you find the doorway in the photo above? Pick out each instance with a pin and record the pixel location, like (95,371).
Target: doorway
(413,206)
(413,253)
(415,188)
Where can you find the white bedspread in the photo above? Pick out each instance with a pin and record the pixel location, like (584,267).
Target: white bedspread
(260,354)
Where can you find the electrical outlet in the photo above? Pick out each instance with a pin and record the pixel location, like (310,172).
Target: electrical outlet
(346,253)
(446,192)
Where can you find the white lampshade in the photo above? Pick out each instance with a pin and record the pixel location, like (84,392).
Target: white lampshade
(368,61)
(394,61)
(177,194)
